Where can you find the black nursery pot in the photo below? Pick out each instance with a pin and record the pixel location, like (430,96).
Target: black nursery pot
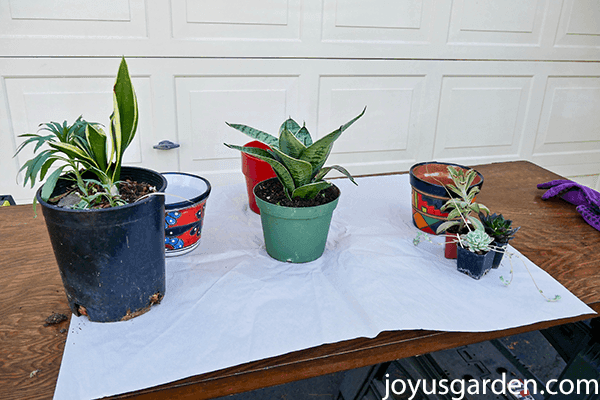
(498,255)
(111,261)
(472,264)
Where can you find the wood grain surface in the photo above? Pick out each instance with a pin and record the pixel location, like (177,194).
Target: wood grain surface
(553,236)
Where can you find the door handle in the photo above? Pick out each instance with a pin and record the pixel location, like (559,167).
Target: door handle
(166,145)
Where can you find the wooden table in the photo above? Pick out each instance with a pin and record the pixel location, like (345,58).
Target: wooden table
(553,235)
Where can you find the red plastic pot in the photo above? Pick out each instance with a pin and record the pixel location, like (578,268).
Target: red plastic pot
(255,171)
(450,250)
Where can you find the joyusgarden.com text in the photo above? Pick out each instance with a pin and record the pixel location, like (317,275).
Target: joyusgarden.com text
(459,388)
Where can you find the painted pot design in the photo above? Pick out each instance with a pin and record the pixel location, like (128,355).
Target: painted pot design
(428,194)
(185,204)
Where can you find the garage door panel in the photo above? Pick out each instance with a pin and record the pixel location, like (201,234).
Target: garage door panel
(63,20)
(482,114)
(205,103)
(237,20)
(569,121)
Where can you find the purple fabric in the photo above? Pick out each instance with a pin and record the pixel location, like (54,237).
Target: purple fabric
(587,200)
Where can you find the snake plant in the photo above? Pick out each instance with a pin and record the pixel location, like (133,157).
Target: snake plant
(83,146)
(296,160)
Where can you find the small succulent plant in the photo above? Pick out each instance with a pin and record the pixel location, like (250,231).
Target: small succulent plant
(296,160)
(477,241)
(462,207)
(497,227)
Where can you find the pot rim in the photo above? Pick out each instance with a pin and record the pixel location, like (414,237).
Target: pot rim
(436,188)
(38,196)
(296,208)
(188,203)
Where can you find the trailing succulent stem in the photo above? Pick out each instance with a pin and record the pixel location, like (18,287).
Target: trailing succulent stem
(83,146)
(296,160)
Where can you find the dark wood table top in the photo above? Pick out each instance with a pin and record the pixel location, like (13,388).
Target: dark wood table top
(553,235)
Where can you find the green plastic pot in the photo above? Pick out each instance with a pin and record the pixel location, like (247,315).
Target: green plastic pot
(295,234)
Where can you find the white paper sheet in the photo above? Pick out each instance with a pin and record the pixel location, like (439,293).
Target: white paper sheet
(229,303)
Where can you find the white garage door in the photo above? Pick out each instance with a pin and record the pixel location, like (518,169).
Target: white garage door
(469,81)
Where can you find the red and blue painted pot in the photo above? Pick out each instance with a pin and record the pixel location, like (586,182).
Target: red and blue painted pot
(428,181)
(185,203)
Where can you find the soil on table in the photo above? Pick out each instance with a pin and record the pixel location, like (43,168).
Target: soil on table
(272,192)
(129,191)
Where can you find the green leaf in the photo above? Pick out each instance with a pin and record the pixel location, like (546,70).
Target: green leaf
(261,136)
(96,138)
(290,125)
(324,171)
(126,102)
(454,214)
(72,152)
(311,190)
(317,153)
(443,227)
(301,171)
(290,145)
(37,165)
(124,119)
(280,170)
(304,136)
(48,187)
(46,166)
(253,151)
(33,138)
(475,222)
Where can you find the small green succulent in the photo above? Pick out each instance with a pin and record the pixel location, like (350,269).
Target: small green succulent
(477,241)
(497,227)
(462,207)
(296,160)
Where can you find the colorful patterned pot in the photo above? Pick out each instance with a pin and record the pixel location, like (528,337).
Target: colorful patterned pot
(185,203)
(255,171)
(427,180)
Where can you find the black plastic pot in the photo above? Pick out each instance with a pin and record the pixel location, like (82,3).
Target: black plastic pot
(472,264)
(111,261)
(498,255)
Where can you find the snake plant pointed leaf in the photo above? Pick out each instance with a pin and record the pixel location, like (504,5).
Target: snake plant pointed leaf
(253,151)
(290,125)
(289,144)
(324,171)
(304,136)
(317,153)
(97,143)
(126,105)
(311,190)
(72,151)
(280,170)
(256,134)
(301,171)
